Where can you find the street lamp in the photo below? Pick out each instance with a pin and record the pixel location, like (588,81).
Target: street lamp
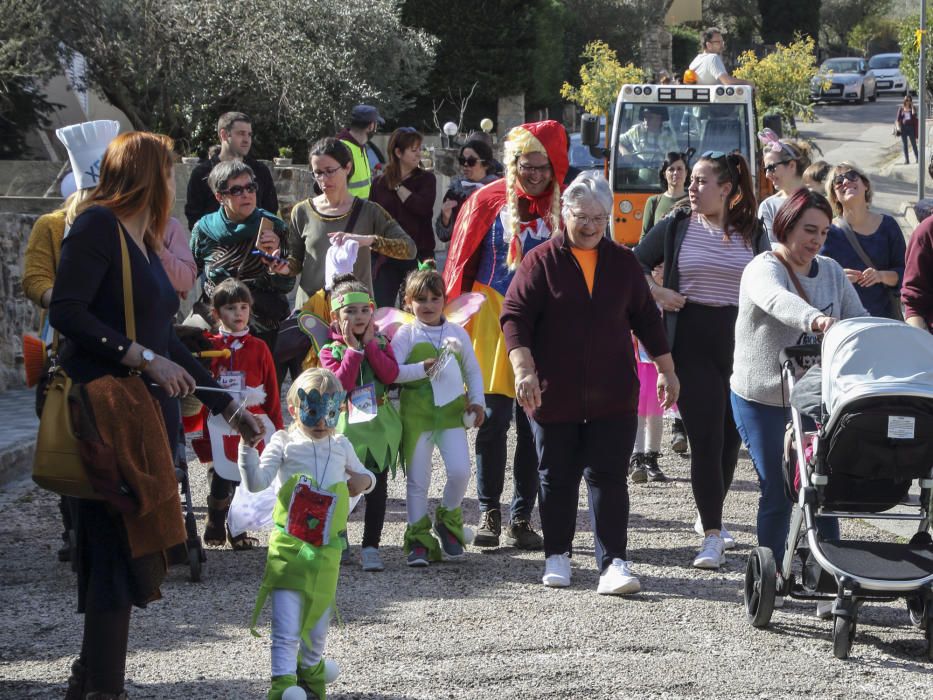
(450,129)
(486,125)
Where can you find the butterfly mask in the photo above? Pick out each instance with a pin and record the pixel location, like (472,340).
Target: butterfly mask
(313,406)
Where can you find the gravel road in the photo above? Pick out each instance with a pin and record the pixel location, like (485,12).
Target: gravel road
(478,628)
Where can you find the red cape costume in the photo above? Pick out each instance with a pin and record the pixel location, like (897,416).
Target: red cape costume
(479,211)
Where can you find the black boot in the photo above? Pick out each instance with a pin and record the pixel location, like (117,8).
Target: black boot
(679,437)
(76,681)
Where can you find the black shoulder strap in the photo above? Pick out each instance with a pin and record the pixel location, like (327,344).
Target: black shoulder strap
(355,210)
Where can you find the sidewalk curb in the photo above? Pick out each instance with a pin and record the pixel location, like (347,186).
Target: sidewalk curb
(16,460)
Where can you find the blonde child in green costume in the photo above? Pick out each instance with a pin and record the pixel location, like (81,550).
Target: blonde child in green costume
(365,365)
(436,361)
(316,472)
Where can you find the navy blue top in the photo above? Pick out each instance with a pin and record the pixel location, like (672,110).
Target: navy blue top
(87,306)
(885,247)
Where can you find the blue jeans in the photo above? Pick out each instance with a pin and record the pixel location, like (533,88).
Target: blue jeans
(762,430)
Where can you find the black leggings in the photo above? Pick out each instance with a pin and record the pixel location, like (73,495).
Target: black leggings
(703,349)
(375,515)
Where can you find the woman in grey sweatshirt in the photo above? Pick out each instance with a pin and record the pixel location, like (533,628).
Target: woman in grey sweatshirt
(787,296)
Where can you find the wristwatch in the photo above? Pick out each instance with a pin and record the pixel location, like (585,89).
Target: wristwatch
(148,356)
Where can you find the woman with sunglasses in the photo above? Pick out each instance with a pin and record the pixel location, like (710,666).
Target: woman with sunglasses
(785,163)
(478,167)
(705,250)
(407,191)
(335,216)
(228,242)
(859,236)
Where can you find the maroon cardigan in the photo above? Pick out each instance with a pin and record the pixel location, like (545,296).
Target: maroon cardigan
(416,214)
(581,343)
(917,287)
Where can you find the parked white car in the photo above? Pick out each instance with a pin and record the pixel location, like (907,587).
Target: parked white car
(844,79)
(887,70)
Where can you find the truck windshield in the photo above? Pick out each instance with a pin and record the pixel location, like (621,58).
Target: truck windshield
(648,132)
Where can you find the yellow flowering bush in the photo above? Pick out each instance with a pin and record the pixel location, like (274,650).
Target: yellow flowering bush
(601,77)
(782,79)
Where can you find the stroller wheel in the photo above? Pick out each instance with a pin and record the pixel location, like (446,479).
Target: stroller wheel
(194,562)
(843,636)
(916,608)
(760,586)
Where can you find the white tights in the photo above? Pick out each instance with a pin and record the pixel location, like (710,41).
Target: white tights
(456,454)
(286,634)
(650,430)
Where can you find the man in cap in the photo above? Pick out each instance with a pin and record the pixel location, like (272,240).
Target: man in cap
(486,247)
(235,131)
(649,139)
(364,120)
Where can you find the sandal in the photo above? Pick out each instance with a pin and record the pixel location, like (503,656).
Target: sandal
(242,542)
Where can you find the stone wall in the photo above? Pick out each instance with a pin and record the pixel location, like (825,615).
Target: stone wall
(17,314)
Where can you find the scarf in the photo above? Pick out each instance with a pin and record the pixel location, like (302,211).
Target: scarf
(219,228)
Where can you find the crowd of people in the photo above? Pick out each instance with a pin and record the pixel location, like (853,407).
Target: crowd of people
(581,342)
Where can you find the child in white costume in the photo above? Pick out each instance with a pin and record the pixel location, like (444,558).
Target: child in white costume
(436,359)
(317,472)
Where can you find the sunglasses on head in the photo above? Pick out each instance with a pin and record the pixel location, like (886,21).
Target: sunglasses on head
(469,162)
(237,190)
(720,156)
(773,166)
(849,175)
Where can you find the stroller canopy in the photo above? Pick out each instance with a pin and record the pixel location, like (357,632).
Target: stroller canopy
(869,356)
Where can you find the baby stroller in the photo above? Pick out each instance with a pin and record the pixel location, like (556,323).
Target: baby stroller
(874,440)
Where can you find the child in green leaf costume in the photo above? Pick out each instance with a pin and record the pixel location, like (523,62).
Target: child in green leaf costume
(365,364)
(316,472)
(436,361)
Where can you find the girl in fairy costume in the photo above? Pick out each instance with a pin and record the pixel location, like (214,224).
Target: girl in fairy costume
(318,472)
(364,362)
(437,360)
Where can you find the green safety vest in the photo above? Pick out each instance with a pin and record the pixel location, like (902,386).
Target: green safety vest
(361,179)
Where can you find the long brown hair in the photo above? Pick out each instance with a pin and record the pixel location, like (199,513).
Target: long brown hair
(742,206)
(133,172)
(402,139)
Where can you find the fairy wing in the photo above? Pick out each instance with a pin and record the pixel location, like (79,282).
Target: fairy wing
(389,319)
(464,307)
(315,328)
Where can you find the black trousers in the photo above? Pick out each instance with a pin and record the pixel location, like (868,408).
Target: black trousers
(597,451)
(703,350)
(375,515)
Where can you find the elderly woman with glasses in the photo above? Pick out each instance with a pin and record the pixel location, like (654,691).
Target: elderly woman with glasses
(232,242)
(335,216)
(869,246)
(785,163)
(705,250)
(566,319)
(407,191)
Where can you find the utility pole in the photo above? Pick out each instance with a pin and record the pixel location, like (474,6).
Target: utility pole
(921,94)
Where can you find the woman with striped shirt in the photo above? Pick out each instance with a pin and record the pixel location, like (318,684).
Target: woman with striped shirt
(705,250)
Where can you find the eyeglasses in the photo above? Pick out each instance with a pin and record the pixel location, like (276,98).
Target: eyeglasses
(325,174)
(469,162)
(526,169)
(773,166)
(238,190)
(584,220)
(840,179)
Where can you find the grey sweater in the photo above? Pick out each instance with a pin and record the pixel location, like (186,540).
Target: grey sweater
(772,316)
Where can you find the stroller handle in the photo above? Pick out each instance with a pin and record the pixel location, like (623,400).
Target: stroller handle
(794,352)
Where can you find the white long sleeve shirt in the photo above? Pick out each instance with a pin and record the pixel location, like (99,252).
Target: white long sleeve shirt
(290,452)
(416,332)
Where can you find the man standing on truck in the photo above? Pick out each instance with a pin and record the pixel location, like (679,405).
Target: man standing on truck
(708,65)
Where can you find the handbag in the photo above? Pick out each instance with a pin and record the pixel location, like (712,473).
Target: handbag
(894,295)
(57,464)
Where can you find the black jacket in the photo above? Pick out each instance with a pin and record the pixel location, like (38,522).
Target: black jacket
(662,245)
(200,200)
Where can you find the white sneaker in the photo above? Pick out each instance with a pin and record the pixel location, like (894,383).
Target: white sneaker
(711,554)
(370,559)
(618,579)
(556,571)
(728,540)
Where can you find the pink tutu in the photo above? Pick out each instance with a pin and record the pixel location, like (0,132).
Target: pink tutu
(648,404)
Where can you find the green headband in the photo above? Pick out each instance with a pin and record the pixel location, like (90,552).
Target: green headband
(422,266)
(337,303)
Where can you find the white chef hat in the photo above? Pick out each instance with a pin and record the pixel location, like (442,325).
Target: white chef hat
(339,261)
(86,143)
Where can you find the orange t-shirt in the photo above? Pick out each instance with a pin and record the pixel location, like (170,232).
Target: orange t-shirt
(587,261)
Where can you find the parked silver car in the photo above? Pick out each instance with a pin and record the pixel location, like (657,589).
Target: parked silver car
(887,70)
(844,79)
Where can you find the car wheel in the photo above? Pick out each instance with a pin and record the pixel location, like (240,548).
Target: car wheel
(874,96)
(861,96)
